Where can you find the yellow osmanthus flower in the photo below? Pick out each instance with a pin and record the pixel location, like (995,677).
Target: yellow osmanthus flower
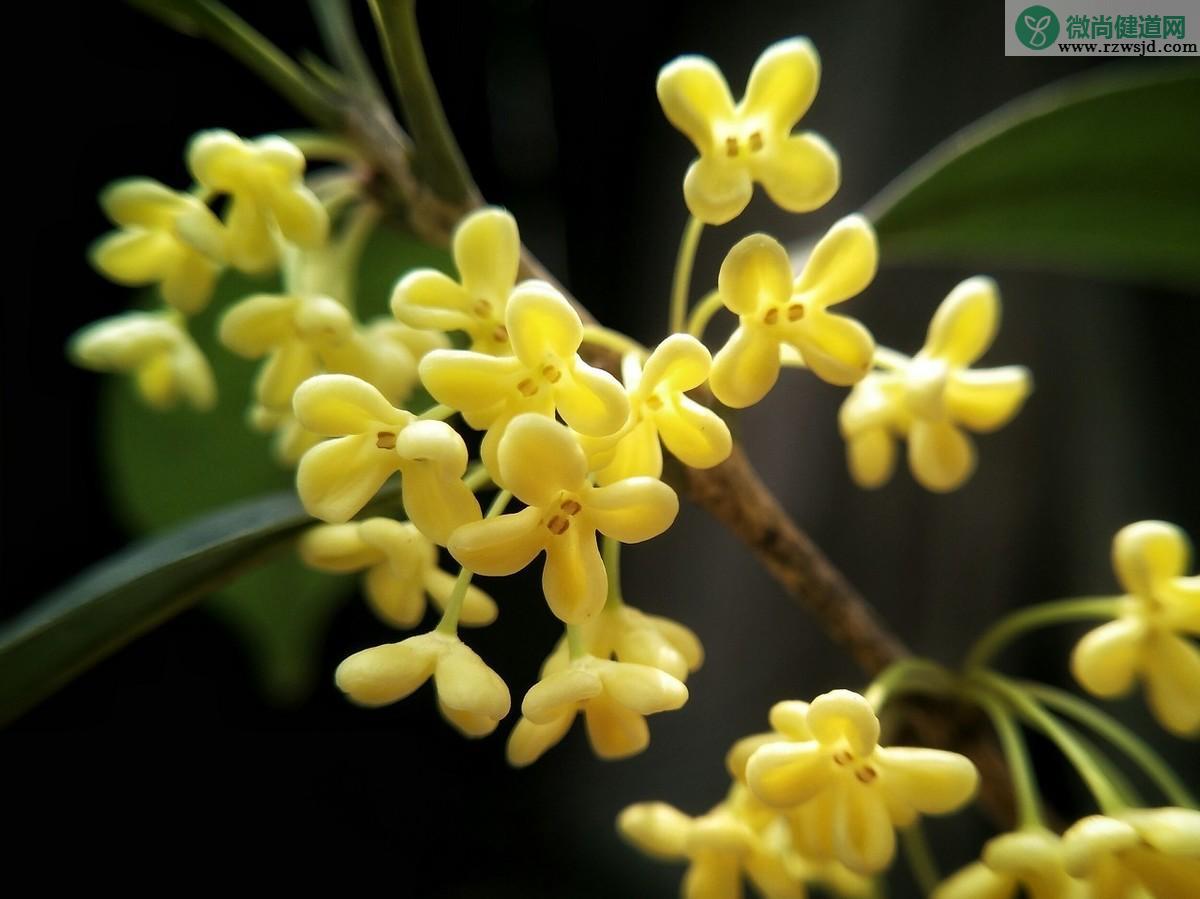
(156,348)
(542,464)
(661,410)
(470,694)
(755,282)
(1148,640)
(151,247)
(1136,853)
(374,440)
(753,140)
(401,569)
(487,253)
(1028,860)
(933,397)
(614,698)
(544,375)
(290,441)
(850,793)
(630,635)
(789,721)
(264,179)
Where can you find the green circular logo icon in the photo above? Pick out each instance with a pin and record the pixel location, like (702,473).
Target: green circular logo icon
(1036,27)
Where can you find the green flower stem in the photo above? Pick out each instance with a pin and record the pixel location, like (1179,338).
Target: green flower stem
(438,158)
(906,676)
(437,413)
(683,273)
(611,550)
(1116,733)
(1007,629)
(316,145)
(575,645)
(1032,711)
(598,335)
(449,622)
(336,25)
(1026,796)
(703,314)
(920,858)
(889,360)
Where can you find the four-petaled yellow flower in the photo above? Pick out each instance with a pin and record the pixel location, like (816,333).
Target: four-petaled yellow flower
(753,140)
(157,349)
(544,375)
(661,410)
(755,282)
(1024,862)
(264,179)
(542,464)
(614,698)
(1148,640)
(932,397)
(848,792)
(338,477)
(487,253)
(151,246)
(1135,853)
(401,568)
(470,695)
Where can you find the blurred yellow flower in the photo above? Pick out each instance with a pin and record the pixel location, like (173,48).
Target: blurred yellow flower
(542,464)
(401,569)
(290,441)
(931,398)
(850,793)
(755,282)
(156,348)
(753,140)
(338,477)
(1148,640)
(1138,852)
(487,253)
(150,247)
(470,694)
(264,179)
(1026,860)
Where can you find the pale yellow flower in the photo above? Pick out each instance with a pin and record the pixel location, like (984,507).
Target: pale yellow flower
(789,721)
(660,410)
(401,569)
(542,464)
(614,698)
(1136,853)
(753,140)
(470,694)
(630,635)
(756,283)
(338,477)
(1148,640)
(1027,860)
(545,374)
(487,253)
(849,793)
(151,247)
(935,397)
(290,441)
(157,350)
(264,179)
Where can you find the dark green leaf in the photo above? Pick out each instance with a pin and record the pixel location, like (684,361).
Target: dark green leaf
(1099,174)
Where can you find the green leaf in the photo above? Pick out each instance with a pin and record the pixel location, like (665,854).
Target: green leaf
(1099,175)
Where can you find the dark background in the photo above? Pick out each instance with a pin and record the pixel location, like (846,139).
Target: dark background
(168,743)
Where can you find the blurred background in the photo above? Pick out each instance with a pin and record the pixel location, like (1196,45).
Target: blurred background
(555,109)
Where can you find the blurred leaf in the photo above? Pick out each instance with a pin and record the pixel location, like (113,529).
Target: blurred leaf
(165,468)
(1099,174)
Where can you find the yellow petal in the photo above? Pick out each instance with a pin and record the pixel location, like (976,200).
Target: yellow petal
(574,579)
(1173,831)
(1163,875)
(542,325)
(499,546)
(539,458)
(133,258)
(931,781)
(528,741)
(437,503)
(632,510)
(646,646)
(755,275)
(335,479)
(771,876)
(965,324)
(338,548)
(1172,672)
(469,724)
(478,609)
(800,173)
(334,405)
(251,246)
(987,399)
(695,97)
(397,600)
(1107,658)
(426,298)
(843,714)
(685,641)
(782,83)
(641,688)
(285,370)
(656,828)
(557,693)
(871,457)
(123,342)
(695,435)
(790,718)
(466,684)
(487,251)
(717,190)
(638,454)
(841,265)
(614,731)
(141,202)
(299,214)
(470,381)
(1146,553)
(787,774)
(863,838)
(976,881)
(385,674)
(837,349)
(681,362)
(940,455)
(591,400)
(1093,839)
(189,280)
(739,754)
(746,368)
